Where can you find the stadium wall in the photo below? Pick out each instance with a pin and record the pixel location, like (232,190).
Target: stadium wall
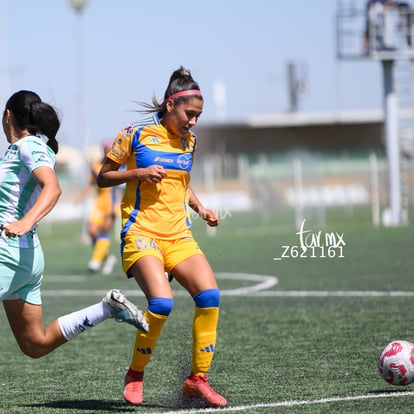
(246,139)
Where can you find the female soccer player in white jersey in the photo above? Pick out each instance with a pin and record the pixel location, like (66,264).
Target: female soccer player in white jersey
(156,229)
(29,189)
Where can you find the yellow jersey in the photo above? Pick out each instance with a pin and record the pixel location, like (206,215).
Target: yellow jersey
(158,210)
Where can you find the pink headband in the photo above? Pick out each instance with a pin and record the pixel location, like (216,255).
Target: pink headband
(185,93)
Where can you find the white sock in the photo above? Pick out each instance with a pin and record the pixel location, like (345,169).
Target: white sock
(73,324)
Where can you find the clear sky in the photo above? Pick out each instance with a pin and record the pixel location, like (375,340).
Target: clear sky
(130,48)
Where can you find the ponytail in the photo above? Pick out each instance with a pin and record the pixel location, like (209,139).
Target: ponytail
(181,80)
(46,122)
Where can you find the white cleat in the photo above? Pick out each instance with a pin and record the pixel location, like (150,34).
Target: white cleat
(109,264)
(94,266)
(125,311)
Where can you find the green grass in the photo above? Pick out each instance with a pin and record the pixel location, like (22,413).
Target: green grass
(270,349)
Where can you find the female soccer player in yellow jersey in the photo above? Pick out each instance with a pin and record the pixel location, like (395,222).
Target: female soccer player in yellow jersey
(156,229)
(101,219)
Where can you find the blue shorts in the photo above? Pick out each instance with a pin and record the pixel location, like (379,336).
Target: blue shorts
(21,273)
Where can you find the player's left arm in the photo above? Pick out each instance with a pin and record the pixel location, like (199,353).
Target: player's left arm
(48,197)
(209,215)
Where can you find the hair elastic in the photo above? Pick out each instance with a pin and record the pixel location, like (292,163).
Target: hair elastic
(185,93)
(43,137)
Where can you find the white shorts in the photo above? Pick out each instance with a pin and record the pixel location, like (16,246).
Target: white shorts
(21,273)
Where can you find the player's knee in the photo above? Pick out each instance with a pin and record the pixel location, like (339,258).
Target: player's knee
(161,306)
(209,298)
(31,349)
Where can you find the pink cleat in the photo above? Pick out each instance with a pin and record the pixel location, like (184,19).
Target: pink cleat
(133,389)
(197,386)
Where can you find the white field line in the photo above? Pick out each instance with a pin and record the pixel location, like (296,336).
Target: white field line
(263,282)
(280,294)
(333,293)
(293,403)
(259,288)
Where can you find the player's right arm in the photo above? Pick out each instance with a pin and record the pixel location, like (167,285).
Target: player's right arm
(110,175)
(48,197)
(87,189)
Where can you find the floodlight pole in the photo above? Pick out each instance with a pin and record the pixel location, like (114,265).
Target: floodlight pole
(392,142)
(5,70)
(78,6)
(386,45)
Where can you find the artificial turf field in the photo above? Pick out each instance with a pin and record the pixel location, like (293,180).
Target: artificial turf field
(297,335)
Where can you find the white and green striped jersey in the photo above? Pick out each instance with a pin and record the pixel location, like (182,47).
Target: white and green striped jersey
(18,187)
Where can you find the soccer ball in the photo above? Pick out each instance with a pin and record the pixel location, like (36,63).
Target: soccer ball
(396,362)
